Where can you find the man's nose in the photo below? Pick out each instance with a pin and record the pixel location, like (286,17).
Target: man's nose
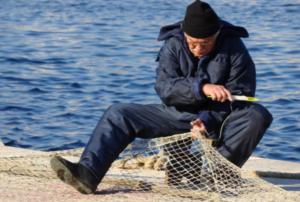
(199,47)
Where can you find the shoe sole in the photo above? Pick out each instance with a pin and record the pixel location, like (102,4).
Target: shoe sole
(65,175)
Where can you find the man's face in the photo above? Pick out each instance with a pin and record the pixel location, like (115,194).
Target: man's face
(200,47)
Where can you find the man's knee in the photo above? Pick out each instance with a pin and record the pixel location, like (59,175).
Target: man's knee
(245,129)
(259,116)
(117,110)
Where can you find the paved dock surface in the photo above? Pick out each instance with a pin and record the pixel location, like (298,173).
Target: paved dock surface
(23,188)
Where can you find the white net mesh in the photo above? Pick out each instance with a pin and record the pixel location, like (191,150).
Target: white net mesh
(176,168)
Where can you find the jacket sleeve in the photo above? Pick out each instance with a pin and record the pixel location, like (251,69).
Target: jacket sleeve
(241,81)
(242,77)
(172,86)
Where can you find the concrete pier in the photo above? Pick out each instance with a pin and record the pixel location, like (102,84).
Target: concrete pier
(26,188)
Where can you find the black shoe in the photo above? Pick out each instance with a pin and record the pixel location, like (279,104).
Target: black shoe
(193,167)
(76,175)
(227,177)
(173,171)
(188,166)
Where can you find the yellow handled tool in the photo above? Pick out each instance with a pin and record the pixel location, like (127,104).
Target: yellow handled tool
(241,98)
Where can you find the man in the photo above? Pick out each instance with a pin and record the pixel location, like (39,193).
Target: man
(201,56)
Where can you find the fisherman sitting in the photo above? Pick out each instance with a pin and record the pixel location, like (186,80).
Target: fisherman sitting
(202,55)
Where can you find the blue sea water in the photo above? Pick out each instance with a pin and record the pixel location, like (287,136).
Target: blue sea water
(64,62)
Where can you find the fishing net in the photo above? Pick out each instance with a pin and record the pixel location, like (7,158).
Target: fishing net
(175,168)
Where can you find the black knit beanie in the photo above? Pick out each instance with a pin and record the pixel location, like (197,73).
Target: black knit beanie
(200,20)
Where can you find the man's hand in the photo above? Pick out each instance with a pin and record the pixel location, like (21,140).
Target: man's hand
(198,125)
(217,92)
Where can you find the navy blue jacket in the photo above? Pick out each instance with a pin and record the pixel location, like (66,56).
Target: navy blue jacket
(180,75)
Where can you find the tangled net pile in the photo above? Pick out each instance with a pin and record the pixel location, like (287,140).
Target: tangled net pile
(175,168)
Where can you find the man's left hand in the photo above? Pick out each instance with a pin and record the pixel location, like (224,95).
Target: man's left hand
(198,126)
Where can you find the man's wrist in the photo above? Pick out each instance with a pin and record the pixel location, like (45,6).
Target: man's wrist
(207,119)
(201,86)
(197,88)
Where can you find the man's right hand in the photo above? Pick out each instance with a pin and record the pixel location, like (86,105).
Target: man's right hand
(217,92)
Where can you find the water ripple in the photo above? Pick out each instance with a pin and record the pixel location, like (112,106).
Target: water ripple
(15,108)
(36,90)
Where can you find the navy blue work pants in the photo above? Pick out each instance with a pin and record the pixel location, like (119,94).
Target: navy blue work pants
(122,123)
